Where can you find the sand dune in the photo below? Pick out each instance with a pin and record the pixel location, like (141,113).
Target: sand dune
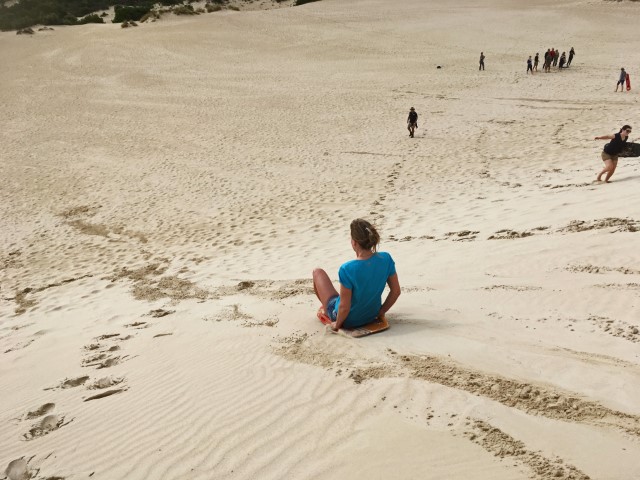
(168,190)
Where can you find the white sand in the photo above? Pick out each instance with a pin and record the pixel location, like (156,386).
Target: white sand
(205,165)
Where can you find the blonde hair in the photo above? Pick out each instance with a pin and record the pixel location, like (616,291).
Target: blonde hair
(365,234)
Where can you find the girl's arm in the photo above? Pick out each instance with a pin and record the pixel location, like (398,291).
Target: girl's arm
(605,137)
(394,293)
(344,308)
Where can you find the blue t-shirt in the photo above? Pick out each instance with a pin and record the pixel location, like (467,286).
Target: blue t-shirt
(366,280)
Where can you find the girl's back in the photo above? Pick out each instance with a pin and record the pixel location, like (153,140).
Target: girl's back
(366,279)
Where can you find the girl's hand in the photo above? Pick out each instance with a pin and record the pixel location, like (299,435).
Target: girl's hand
(334,326)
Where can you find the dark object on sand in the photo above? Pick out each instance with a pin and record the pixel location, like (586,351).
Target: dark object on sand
(25,31)
(630,150)
(439,66)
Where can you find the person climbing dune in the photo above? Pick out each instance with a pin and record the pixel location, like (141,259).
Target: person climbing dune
(412,121)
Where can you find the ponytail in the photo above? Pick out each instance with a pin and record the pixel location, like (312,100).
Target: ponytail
(365,234)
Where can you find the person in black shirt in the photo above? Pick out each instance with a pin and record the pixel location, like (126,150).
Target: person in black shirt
(572,52)
(481,67)
(611,151)
(412,121)
(547,60)
(563,59)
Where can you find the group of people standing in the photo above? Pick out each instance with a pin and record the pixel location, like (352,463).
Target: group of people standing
(552,58)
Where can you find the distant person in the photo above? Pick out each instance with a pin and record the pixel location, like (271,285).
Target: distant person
(552,56)
(563,59)
(481,67)
(556,54)
(572,52)
(547,60)
(611,151)
(412,121)
(529,65)
(535,62)
(621,80)
(362,282)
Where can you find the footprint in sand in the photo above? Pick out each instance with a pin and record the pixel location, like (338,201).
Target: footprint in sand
(99,354)
(138,325)
(70,383)
(109,335)
(93,359)
(18,470)
(105,382)
(108,363)
(19,346)
(462,236)
(45,426)
(101,360)
(508,234)
(43,410)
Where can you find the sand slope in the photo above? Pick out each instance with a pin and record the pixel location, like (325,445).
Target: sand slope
(168,190)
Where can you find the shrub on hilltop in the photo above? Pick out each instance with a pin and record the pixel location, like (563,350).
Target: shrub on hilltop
(93,18)
(184,10)
(27,13)
(135,13)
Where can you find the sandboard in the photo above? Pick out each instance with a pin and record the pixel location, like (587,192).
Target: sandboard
(377,326)
(628,82)
(630,150)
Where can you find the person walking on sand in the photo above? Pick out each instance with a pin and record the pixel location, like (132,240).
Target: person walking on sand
(536,59)
(529,65)
(621,80)
(572,52)
(412,121)
(611,151)
(362,282)
(556,54)
(481,67)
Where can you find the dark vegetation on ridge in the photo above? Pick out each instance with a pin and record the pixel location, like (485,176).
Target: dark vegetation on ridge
(27,13)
